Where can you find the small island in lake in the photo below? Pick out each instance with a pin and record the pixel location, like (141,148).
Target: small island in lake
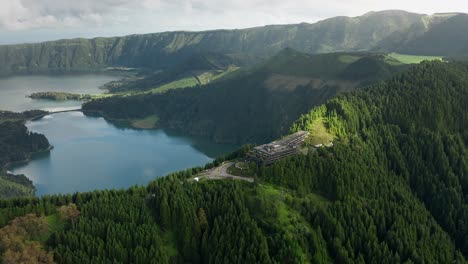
(59,96)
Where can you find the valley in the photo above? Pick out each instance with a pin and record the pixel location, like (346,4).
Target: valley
(264,99)
(342,141)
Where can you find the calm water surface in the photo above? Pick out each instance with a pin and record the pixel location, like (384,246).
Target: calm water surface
(13,90)
(90,153)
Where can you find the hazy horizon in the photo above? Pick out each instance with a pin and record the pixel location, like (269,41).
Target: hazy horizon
(23,21)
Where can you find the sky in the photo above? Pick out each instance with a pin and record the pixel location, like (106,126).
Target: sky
(40,20)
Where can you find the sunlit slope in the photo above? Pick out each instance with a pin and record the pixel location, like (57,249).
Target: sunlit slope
(254,104)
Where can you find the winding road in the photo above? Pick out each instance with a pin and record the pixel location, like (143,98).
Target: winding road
(222,173)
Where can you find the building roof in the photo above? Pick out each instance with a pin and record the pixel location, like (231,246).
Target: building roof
(284,144)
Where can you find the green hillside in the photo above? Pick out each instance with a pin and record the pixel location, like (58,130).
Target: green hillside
(197,70)
(16,145)
(392,189)
(412,59)
(448,38)
(387,30)
(15,186)
(253,104)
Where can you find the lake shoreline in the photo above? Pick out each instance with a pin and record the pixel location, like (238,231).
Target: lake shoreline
(15,97)
(8,165)
(92,154)
(124,122)
(76,72)
(18,90)
(6,170)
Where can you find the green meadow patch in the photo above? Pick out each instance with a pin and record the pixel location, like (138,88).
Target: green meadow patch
(413,59)
(148,122)
(319,133)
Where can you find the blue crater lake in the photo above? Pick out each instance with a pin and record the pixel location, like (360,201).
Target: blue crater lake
(90,154)
(15,89)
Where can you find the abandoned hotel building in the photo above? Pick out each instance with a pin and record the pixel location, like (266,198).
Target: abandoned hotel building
(269,153)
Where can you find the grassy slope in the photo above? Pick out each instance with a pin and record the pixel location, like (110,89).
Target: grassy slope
(325,66)
(413,59)
(148,122)
(190,81)
(180,83)
(265,99)
(12,189)
(319,133)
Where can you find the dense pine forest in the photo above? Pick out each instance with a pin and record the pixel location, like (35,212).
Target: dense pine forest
(16,145)
(393,189)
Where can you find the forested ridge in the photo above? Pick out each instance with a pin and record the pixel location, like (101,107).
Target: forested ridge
(15,140)
(256,104)
(393,189)
(16,145)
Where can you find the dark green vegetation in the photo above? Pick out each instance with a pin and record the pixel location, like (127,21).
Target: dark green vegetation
(59,96)
(257,104)
(393,189)
(197,70)
(400,141)
(392,31)
(16,145)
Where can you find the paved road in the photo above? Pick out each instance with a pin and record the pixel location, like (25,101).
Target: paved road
(54,112)
(222,173)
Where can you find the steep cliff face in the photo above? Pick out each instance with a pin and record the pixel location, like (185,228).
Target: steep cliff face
(449,38)
(247,46)
(400,31)
(75,54)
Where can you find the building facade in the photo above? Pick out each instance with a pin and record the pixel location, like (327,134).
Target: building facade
(270,153)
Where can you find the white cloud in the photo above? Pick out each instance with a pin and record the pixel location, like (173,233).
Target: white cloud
(27,14)
(118,17)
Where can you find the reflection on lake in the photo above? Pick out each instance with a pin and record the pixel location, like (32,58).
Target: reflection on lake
(13,90)
(90,153)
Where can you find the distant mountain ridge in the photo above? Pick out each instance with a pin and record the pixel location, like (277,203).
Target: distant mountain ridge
(390,31)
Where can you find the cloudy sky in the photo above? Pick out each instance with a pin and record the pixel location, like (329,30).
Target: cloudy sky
(38,20)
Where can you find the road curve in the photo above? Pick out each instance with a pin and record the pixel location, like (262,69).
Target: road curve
(222,173)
